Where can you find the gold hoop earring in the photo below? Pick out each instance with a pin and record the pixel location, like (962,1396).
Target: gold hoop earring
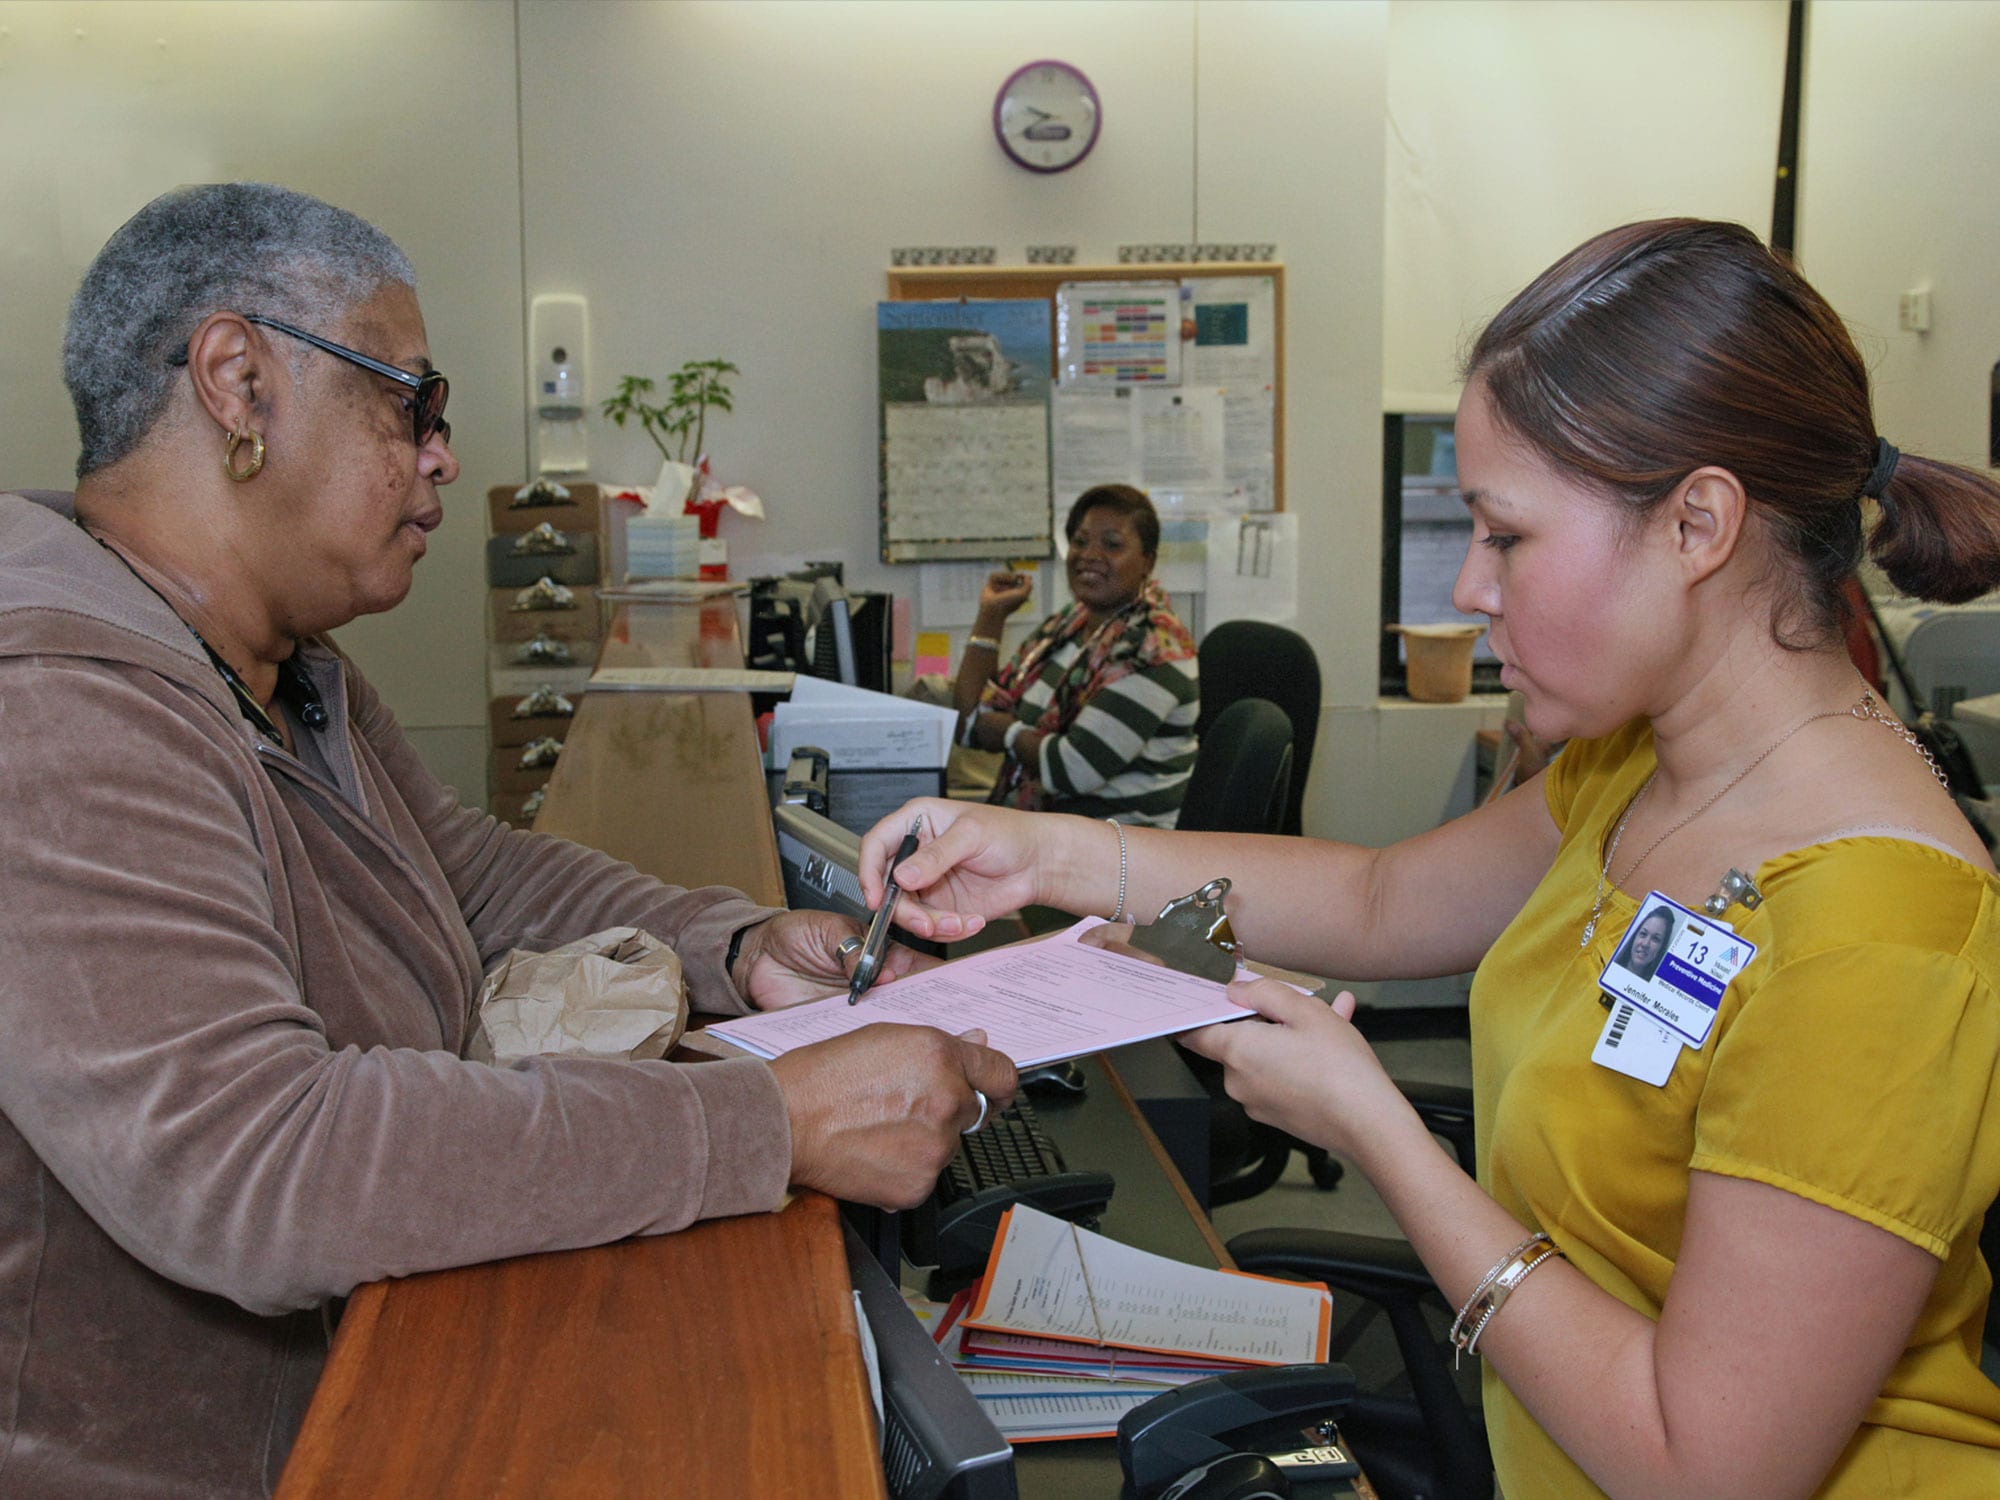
(256,457)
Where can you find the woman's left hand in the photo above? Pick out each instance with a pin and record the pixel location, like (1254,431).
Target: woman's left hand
(795,956)
(1302,1067)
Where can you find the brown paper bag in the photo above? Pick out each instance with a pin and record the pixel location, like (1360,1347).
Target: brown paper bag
(616,993)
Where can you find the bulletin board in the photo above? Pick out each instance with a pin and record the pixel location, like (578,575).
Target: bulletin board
(981,283)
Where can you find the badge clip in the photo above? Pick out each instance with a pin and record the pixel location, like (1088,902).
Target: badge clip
(1736,889)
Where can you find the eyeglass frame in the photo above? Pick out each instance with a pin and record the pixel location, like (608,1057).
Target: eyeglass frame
(422,384)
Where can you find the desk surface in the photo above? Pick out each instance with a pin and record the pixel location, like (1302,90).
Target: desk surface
(723,1360)
(669,781)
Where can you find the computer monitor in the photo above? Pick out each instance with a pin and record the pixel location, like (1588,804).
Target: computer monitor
(850,637)
(937,1443)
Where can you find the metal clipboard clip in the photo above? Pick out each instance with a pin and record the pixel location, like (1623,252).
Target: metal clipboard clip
(1192,934)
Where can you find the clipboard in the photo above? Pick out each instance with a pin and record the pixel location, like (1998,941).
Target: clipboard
(1192,934)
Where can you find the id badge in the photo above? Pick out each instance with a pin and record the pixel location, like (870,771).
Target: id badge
(1673,964)
(1636,1045)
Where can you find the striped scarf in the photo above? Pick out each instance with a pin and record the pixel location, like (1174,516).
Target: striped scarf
(1142,635)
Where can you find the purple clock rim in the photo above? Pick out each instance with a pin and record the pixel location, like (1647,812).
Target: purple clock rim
(1089,88)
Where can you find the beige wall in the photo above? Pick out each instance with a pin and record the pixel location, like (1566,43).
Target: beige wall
(730,177)
(402,112)
(1517,130)
(1899,151)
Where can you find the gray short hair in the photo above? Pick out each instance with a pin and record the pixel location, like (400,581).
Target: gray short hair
(242,245)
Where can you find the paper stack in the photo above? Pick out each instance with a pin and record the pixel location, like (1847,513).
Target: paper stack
(1068,1330)
(882,750)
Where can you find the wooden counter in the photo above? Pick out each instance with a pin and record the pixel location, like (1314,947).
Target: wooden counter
(670,782)
(720,1361)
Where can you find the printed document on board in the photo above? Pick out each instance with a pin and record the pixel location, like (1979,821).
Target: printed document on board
(1037,1002)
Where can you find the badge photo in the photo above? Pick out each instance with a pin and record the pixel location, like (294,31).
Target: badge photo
(1674,964)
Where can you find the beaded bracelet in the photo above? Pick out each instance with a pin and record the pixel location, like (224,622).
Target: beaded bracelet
(991,643)
(1119,828)
(1494,1289)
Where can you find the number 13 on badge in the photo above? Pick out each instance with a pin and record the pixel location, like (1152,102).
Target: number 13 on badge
(1673,965)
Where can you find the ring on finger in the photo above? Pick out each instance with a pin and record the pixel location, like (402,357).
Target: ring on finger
(977,1125)
(849,946)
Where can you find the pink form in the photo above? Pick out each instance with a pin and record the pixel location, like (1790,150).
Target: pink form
(1038,1002)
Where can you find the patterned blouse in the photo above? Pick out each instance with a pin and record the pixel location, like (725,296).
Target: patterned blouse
(1117,701)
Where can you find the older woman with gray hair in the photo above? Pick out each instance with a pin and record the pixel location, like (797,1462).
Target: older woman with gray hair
(241,927)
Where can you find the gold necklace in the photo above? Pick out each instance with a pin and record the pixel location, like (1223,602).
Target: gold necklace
(1866,708)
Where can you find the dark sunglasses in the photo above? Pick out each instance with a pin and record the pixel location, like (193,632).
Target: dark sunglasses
(426,408)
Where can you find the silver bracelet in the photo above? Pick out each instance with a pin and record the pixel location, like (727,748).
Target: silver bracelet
(991,643)
(1119,828)
(1014,732)
(1494,1289)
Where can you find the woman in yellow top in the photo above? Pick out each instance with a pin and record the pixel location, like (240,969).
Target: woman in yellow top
(1743,1261)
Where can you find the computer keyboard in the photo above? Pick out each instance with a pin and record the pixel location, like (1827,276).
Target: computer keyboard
(1009,1161)
(1010,1148)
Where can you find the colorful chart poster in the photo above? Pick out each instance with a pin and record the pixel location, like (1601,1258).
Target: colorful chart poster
(1118,333)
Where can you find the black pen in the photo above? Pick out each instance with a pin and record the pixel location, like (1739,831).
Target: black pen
(877,943)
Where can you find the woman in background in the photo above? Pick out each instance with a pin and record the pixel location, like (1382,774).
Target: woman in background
(1096,711)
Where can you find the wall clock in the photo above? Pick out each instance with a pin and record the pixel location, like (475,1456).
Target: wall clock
(1047,116)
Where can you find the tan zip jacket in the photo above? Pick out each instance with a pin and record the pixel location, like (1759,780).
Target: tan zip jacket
(232,998)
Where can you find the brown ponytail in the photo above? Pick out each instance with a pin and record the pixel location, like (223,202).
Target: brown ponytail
(1939,536)
(1656,348)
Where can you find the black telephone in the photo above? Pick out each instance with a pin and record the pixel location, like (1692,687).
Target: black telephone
(965,1229)
(1286,1412)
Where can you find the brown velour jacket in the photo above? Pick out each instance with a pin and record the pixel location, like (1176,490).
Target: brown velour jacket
(233,995)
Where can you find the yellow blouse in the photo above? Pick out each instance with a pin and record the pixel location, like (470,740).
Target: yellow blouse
(1855,1062)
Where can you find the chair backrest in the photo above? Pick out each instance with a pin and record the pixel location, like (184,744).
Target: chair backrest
(1251,659)
(1242,772)
(1953,655)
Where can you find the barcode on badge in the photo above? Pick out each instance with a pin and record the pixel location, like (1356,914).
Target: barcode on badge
(1618,1024)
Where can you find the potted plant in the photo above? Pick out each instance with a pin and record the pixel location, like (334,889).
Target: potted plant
(682,418)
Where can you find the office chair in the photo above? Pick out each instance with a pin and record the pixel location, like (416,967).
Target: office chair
(1250,659)
(1427,1442)
(1952,655)
(1242,784)
(1242,772)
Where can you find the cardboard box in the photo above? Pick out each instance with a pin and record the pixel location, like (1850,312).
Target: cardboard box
(582,512)
(582,622)
(507,774)
(507,726)
(509,568)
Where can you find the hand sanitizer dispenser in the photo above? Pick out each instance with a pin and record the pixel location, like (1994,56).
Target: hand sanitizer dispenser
(559,349)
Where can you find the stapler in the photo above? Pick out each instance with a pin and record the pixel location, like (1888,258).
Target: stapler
(1286,1414)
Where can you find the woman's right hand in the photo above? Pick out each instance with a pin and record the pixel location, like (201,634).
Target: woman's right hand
(973,861)
(1005,592)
